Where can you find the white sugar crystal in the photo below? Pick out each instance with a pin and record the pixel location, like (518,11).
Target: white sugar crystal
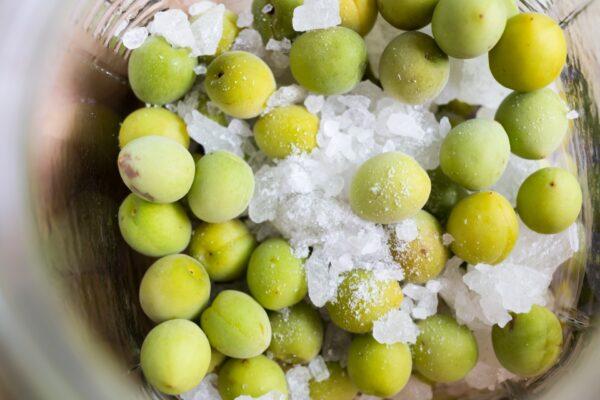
(434,286)
(267,8)
(314,103)
(285,96)
(447,239)
(206,390)
(318,369)
(394,327)
(240,128)
(272,395)
(249,40)
(573,114)
(207,31)
(279,45)
(245,19)
(174,26)
(426,300)
(316,14)
(211,135)
(487,373)
(200,69)
(406,231)
(134,38)
(516,172)
(201,7)
(415,390)
(297,379)
(335,344)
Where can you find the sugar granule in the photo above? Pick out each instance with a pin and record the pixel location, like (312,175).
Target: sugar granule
(316,14)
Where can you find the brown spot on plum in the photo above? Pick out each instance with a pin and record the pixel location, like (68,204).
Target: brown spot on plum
(125,164)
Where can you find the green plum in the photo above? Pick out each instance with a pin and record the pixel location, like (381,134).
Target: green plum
(275,277)
(413,69)
(456,111)
(230,32)
(379,369)
(362,299)
(174,287)
(223,249)
(530,344)
(536,122)
(222,187)
(297,334)
(156,168)
(285,131)
(475,153)
(329,61)
(216,359)
(468,28)
(153,121)
(425,257)
(389,188)
(236,325)
(175,356)
(485,228)
(511,8)
(252,377)
(159,73)
(239,83)
(445,351)
(358,15)
(444,195)
(549,200)
(277,23)
(531,53)
(407,15)
(154,230)
(338,386)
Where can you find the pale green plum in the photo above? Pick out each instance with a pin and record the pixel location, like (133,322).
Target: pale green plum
(329,61)
(549,200)
(511,8)
(389,188)
(468,28)
(275,277)
(378,369)
(425,257)
(297,334)
(444,195)
(485,228)
(338,386)
(277,23)
(358,15)
(239,83)
(362,299)
(413,69)
(475,153)
(154,230)
(285,131)
(230,32)
(252,377)
(153,121)
(175,356)
(156,168)
(407,15)
(223,249)
(216,359)
(531,53)
(445,351)
(159,73)
(174,287)
(536,122)
(236,325)
(530,344)
(222,187)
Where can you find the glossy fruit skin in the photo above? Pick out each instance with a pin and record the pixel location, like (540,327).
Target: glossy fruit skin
(358,15)
(531,53)
(239,83)
(425,257)
(175,356)
(338,386)
(297,334)
(156,168)
(236,325)
(445,194)
(468,28)
(230,32)
(536,122)
(530,344)
(160,74)
(511,8)
(276,24)
(154,230)
(251,377)
(413,69)
(475,153)
(329,61)
(222,188)
(378,369)
(362,299)
(275,277)
(389,188)
(174,287)
(223,249)
(550,200)
(445,351)
(286,130)
(153,121)
(484,227)
(216,359)
(407,15)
